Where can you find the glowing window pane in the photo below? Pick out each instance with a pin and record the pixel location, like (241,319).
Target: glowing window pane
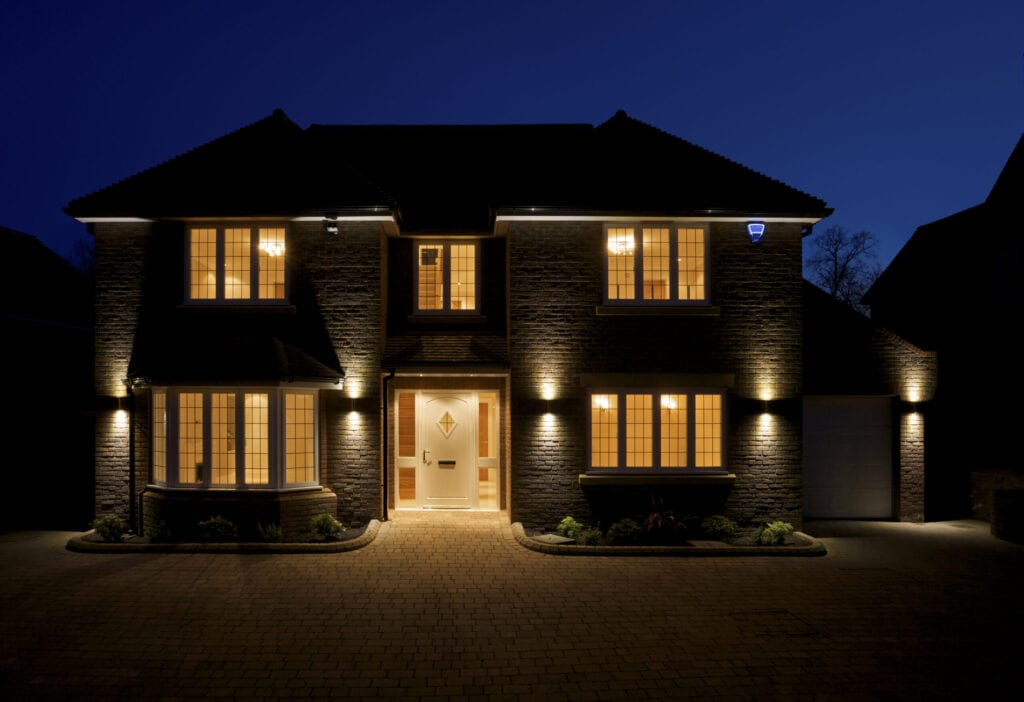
(190,438)
(237,259)
(621,272)
(203,264)
(159,437)
(691,263)
(655,263)
(271,263)
(257,449)
(707,428)
(299,438)
(673,431)
(462,289)
(430,285)
(604,431)
(222,438)
(406,424)
(639,431)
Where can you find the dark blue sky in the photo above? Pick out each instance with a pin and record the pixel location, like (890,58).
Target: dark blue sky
(896,113)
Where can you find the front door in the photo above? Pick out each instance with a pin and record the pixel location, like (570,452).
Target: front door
(447,440)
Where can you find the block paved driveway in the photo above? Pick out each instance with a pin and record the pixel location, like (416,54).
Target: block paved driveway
(448,606)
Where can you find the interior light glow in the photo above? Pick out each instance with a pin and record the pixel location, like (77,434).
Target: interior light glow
(601,402)
(272,248)
(620,246)
(668,402)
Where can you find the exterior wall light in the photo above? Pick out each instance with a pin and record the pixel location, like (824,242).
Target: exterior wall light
(331,226)
(755,230)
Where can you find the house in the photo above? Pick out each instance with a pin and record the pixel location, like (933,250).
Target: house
(540,319)
(956,289)
(46,318)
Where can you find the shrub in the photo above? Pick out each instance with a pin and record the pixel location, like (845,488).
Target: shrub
(719,527)
(325,526)
(269,532)
(664,526)
(772,533)
(159,532)
(110,527)
(570,528)
(218,528)
(589,536)
(624,532)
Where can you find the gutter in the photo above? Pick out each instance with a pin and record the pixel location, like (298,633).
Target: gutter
(385,380)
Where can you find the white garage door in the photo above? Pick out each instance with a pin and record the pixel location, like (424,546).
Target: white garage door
(848,458)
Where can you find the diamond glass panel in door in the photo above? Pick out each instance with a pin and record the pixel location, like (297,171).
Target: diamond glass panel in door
(487,450)
(673,431)
(222,439)
(463,277)
(299,438)
(202,256)
(691,263)
(271,263)
(707,429)
(655,263)
(237,262)
(256,439)
(429,277)
(604,429)
(639,431)
(621,271)
(190,438)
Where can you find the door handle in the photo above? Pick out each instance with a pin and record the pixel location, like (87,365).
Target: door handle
(426,454)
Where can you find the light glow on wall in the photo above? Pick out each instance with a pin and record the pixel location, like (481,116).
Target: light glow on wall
(547,390)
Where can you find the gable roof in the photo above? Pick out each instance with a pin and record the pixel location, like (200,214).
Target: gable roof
(450,177)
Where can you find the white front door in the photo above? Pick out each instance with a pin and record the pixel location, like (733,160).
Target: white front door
(446,447)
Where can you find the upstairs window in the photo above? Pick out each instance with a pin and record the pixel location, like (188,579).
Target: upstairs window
(656,264)
(656,430)
(447,277)
(235,264)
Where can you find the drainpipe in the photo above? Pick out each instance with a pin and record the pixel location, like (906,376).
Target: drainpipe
(384,444)
(131,456)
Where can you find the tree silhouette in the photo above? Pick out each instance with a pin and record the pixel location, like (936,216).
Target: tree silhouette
(844,264)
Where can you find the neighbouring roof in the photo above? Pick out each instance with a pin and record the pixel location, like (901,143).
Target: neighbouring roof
(40,285)
(942,239)
(447,177)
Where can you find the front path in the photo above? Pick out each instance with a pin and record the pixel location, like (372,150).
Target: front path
(448,606)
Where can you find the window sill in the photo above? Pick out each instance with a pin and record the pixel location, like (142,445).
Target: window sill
(241,308)
(452,318)
(621,479)
(657,311)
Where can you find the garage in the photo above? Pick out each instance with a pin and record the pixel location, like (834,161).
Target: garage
(848,457)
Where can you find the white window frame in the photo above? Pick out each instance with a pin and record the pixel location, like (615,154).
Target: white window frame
(673,281)
(276,432)
(655,467)
(446,263)
(254,260)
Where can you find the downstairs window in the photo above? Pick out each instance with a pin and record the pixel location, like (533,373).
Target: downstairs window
(664,430)
(234,438)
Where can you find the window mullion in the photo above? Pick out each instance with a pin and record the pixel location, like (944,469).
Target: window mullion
(638,264)
(207,412)
(275,447)
(172,438)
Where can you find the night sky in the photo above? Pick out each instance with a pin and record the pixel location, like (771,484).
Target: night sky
(896,113)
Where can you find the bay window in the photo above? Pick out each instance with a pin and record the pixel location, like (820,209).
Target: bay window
(656,430)
(234,438)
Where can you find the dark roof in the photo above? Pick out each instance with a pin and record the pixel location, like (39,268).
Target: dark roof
(224,358)
(447,177)
(270,167)
(942,240)
(40,285)
(478,350)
